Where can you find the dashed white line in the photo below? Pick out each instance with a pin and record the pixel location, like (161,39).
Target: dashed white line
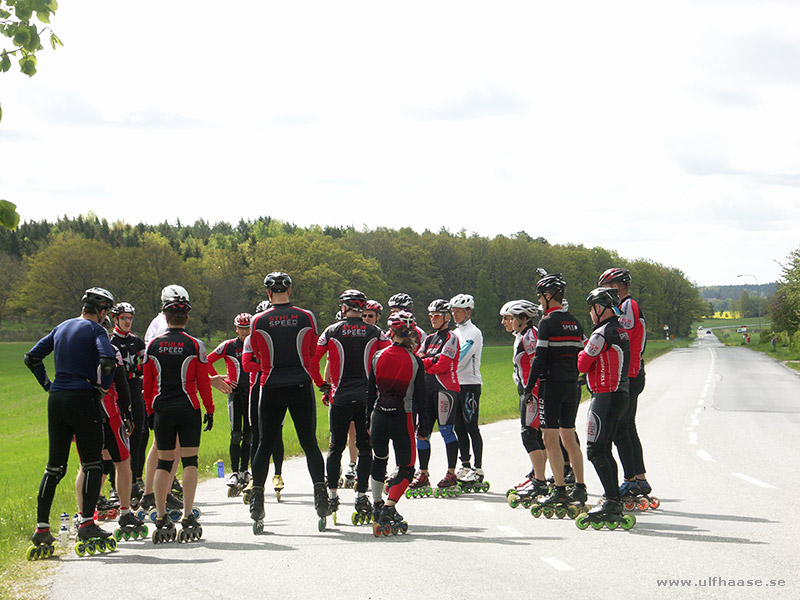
(695,421)
(705,455)
(693,437)
(754,481)
(558,565)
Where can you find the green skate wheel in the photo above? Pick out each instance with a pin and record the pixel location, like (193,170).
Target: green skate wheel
(111,544)
(355,519)
(321,523)
(612,525)
(408,494)
(536,511)
(573,511)
(527,503)
(548,511)
(457,491)
(32,553)
(628,521)
(335,519)
(118,534)
(513,500)
(561,512)
(580,521)
(597,525)
(436,493)
(486,486)
(80,549)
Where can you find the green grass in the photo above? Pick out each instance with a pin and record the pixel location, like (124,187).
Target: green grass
(23,439)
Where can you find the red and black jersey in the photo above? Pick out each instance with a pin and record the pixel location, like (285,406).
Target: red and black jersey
(524,351)
(284,339)
(249,362)
(231,352)
(175,372)
(606,358)
(632,319)
(560,340)
(439,353)
(132,349)
(397,382)
(117,400)
(350,345)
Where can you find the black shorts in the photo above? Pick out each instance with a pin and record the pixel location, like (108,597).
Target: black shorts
(186,425)
(558,404)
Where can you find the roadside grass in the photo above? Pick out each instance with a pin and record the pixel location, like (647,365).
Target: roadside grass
(24,444)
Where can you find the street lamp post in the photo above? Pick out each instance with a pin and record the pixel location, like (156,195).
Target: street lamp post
(759,298)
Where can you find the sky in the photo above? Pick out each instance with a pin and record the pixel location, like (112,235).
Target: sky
(662,130)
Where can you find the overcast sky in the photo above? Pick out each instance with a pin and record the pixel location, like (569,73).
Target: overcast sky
(663,130)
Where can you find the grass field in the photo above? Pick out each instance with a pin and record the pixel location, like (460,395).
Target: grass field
(23,440)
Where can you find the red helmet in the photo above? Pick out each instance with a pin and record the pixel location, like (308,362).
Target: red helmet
(402,323)
(242,320)
(615,274)
(374,305)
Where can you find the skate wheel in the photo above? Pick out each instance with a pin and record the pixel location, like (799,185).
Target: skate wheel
(513,499)
(628,521)
(408,494)
(612,525)
(457,491)
(80,549)
(629,505)
(258,527)
(527,503)
(580,521)
(335,519)
(655,502)
(560,512)
(196,512)
(32,553)
(643,504)
(141,515)
(231,493)
(175,515)
(321,523)
(111,544)
(154,516)
(278,495)
(246,497)
(182,537)
(91,548)
(573,512)
(376,530)
(486,486)
(548,511)
(597,525)
(143,531)
(118,534)
(403,527)
(536,511)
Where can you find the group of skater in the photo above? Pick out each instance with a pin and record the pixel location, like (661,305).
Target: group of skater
(381,387)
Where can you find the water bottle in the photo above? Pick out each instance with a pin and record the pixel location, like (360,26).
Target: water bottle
(73,530)
(220,469)
(63,532)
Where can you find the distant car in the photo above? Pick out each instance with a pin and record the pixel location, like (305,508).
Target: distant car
(742,329)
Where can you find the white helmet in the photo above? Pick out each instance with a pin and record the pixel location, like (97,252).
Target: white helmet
(174,292)
(523,307)
(565,304)
(462,301)
(262,306)
(504,309)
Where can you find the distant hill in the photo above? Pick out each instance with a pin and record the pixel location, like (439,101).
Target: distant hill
(734,292)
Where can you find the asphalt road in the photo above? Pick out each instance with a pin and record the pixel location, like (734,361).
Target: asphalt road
(719,427)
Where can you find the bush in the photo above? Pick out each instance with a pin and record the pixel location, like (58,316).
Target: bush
(795,342)
(783,338)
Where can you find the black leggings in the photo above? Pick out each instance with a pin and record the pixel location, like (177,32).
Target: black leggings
(601,426)
(398,427)
(277,453)
(340,417)
(238,407)
(299,401)
(629,447)
(141,433)
(72,413)
(467,414)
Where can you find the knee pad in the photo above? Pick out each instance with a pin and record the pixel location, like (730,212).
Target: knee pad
(92,466)
(165,465)
(531,440)
(57,472)
(246,437)
(423,445)
(236,437)
(108,466)
(447,434)
(189,461)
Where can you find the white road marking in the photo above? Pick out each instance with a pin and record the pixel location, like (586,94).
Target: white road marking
(698,410)
(509,531)
(690,429)
(754,481)
(558,565)
(705,455)
(693,438)
(695,421)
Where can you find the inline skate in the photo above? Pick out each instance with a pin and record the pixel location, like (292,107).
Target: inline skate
(448,487)
(635,495)
(235,485)
(177,489)
(558,503)
(526,493)
(471,480)
(321,504)
(106,510)
(420,487)
(390,522)
(43,544)
(146,504)
(93,539)
(363,511)
(524,483)
(191,530)
(165,530)
(130,528)
(348,482)
(137,491)
(277,484)
(174,510)
(257,509)
(609,513)
(388,479)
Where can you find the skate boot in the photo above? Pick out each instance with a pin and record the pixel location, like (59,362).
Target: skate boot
(376,510)
(321,504)
(333,508)
(577,497)
(165,530)
(349,481)
(257,509)
(390,521)
(146,504)
(130,528)
(363,512)
(245,478)
(420,487)
(43,544)
(644,490)
(553,504)
(527,494)
(92,539)
(177,489)
(191,530)
(277,484)
(609,513)
(569,476)
(106,509)
(448,487)
(174,508)
(137,491)
(235,486)
(524,483)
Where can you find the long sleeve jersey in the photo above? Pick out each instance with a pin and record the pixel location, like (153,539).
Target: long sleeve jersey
(397,383)
(284,339)
(606,358)
(350,345)
(132,349)
(632,319)
(470,340)
(231,351)
(560,340)
(176,374)
(117,400)
(524,351)
(77,345)
(250,363)
(439,353)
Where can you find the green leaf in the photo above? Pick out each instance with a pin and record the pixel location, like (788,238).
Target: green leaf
(1,112)
(52,5)
(8,215)
(27,65)
(22,37)
(43,16)
(54,40)
(5,62)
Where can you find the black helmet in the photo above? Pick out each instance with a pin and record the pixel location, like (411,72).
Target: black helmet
(278,282)
(551,284)
(98,299)
(604,296)
(353,299)
(439,305)
(617,275)
(401,301)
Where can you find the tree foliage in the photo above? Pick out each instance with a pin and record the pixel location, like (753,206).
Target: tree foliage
(785,308)
(223,267)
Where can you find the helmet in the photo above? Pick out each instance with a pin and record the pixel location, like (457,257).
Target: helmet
(242,320)
(616,275)
(262,306)
(504,310)
(374,305)
(565,304)
(523,307)
(353,299)
(123,307)
(175,298)
(439,305)
(462,301)
(401,301)
(98,298)
(107,324)
(277,281)
(551,284)
(402,323)
(608,297)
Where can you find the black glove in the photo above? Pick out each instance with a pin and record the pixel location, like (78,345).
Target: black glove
(151,418)
(325,388)
(208,419)
(326,398)
(528,397)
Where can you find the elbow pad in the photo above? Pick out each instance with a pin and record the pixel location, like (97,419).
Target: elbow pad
(33,362)
(108,364)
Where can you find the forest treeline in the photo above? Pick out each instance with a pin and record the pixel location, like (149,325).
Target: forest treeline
(45,268)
